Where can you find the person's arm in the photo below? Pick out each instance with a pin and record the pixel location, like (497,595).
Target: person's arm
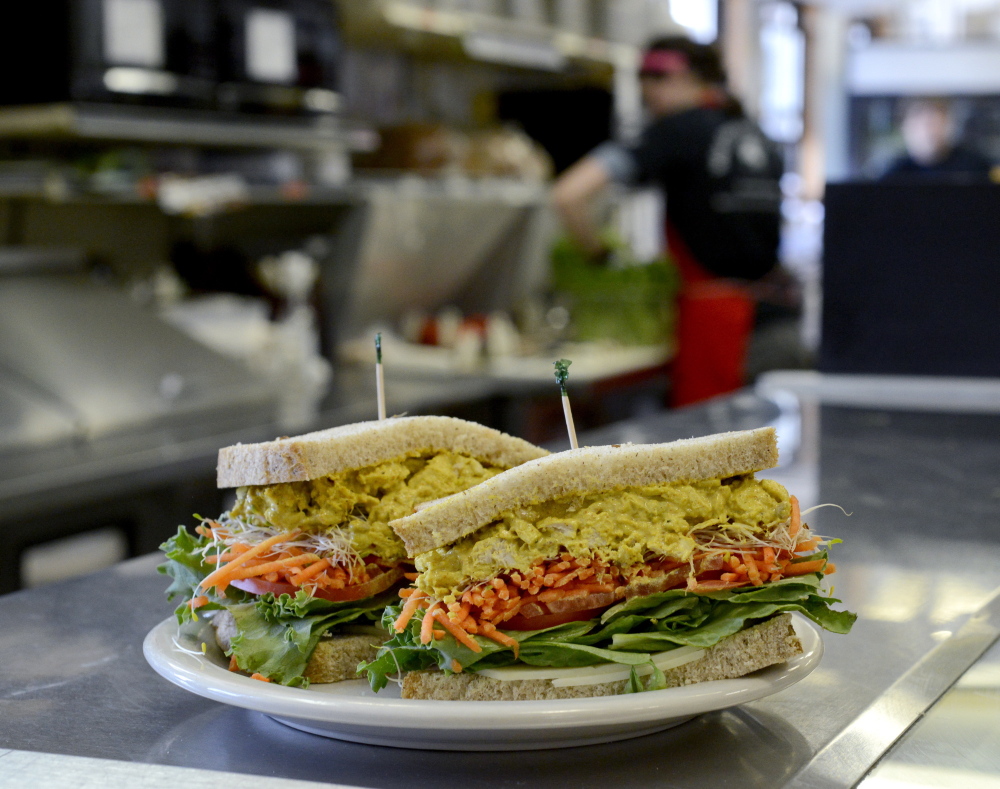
(573,195)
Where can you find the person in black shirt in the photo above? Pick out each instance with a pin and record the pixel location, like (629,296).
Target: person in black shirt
(721,177)
(929,133)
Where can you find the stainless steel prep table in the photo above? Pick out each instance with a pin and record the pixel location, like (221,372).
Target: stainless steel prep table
(918,564)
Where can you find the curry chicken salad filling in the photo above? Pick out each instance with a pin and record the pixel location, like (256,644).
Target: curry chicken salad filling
(626,529)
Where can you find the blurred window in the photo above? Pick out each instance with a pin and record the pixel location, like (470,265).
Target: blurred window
(133,33)
(698,17)
(270,46)
(783,48)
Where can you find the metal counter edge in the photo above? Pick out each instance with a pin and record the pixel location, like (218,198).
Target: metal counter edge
(852,754)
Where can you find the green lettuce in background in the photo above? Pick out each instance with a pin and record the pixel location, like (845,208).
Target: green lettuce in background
(625,301)
(626,633)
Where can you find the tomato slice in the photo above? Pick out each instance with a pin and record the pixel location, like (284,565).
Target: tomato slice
(370,588)
(550,620)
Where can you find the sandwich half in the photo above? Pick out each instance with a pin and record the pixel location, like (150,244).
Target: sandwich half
(606,570)
(295,577)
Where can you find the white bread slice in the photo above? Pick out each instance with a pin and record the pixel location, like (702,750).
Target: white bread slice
(335,658)
(363,444)
(587,470)
(772,641)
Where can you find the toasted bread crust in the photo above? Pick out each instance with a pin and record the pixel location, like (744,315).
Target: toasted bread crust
(335,658)
(362,444)
(770,642)
(589,470)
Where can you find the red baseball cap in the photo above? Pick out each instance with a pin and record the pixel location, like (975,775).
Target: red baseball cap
(657,62)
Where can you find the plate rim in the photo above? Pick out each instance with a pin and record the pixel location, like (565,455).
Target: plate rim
(202,675)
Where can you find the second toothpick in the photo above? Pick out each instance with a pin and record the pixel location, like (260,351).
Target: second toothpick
(562,373)
(379,376)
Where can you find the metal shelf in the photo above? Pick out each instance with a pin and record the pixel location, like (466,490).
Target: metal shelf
(357,190)
(168,126)
(482,37)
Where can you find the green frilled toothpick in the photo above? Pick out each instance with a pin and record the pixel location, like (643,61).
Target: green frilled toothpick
(562,373)
(379,376)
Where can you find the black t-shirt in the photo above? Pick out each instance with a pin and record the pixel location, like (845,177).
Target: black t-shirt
(721,176)
(960,163)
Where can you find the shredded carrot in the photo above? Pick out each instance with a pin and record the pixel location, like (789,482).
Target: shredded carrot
(198,602)
(233,665)
(270,567)
(501,638)
(714,586)
(808,545)
(411,576)
(596,587)
(830,568)
(226,555)
(795,525)
(261,677)
(220,577)
(752,572)
(802,568)
(311,571)
(438,634)
(427,624)
(416,599)
(404,593)
(456,666)
(460,635)
(206,531)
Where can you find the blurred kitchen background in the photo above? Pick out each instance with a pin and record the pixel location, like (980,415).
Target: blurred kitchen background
(209,207)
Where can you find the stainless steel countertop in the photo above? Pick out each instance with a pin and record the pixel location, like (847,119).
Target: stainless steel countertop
(957,744)
(918,565)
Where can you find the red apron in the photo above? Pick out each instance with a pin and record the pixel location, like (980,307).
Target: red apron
(714,322)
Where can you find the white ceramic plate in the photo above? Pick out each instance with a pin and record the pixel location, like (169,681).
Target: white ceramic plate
(350,711)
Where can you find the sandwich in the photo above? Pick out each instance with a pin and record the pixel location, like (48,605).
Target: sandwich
(605,570)
(296,575)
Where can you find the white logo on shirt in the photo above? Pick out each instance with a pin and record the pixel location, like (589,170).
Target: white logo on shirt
(737,140)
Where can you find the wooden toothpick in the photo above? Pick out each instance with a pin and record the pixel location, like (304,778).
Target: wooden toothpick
(379,376)
(562,373)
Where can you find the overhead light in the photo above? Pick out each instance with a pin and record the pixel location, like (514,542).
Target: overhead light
(122,79)
(698,17)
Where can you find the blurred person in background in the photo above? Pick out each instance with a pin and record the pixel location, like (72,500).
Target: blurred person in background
(930,135)
(721,176)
